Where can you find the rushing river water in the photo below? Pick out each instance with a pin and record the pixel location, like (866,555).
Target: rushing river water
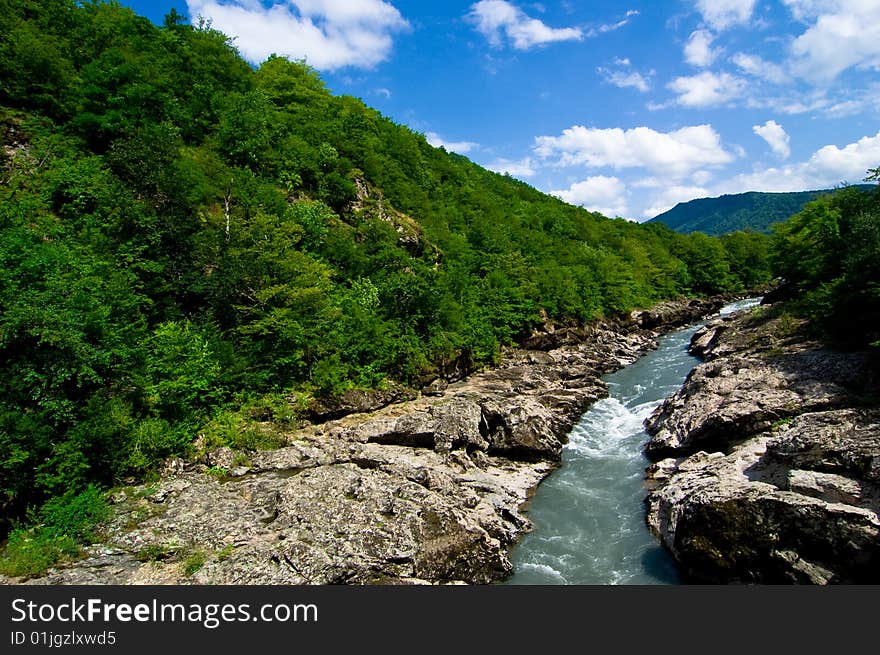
(589,516)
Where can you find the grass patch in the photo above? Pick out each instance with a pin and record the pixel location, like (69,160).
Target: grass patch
(234,429)
(225,553)
(781,422)
(30,552)
(219,472)
(63,524)
(155,553)
(193,562)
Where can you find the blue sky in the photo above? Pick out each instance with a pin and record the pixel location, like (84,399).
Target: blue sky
(624,108)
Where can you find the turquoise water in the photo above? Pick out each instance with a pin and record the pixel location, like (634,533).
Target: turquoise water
(589,516)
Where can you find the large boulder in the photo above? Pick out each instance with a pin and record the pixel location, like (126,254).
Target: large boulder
(772,469)
(771,511)
(730,399)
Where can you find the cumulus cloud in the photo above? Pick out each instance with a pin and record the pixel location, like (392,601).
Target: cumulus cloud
(827,167)
(606,195)
(775,136)
(649,196)
(671,196)
(698,50)
(842,34)
(707,89)
(327,34)
(497,19)
(518,168)
(461,147)
(668,154)
(757,67)
(722,14)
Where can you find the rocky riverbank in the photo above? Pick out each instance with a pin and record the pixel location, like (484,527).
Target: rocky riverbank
(768,459)
(426,489)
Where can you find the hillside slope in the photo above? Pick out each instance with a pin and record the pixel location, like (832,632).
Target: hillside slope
(191,247)
(743,211)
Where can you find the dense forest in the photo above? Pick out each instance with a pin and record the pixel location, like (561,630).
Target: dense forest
(189,244)
(828,257)
(754,211)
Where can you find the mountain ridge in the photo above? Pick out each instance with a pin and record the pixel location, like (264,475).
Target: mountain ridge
(751,210)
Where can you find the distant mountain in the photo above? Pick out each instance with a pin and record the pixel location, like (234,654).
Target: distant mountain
(743,211)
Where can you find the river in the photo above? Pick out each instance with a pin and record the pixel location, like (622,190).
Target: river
(589,516)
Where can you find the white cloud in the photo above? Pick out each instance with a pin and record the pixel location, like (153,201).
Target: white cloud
(841,103)
(671,196)
(494,18)
(848,163)
(611,27)
(668,154)
(721,14)
(702,177)
(707,89)
(698,50)
(518,168)
(328,34)
(606,195)
(826,168)
(775,136)
(845,34)
(760,68)
(626,78)
(461,147)
(793,104)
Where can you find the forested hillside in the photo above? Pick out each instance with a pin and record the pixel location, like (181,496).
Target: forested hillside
(742,211)
(189,245)
(829,257)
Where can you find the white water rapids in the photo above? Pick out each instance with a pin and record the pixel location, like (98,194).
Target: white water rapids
(589,516)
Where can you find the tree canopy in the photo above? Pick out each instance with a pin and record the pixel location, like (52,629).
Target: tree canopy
(185,238)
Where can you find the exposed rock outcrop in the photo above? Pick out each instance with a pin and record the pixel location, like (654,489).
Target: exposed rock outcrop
(429,490)
(772,469)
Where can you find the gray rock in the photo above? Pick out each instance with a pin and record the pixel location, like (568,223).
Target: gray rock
(732,398)
(725,521)
(425,489)
(706,339)
(792,494)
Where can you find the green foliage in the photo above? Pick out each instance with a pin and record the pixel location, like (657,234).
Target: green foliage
(748,255)
(75,515)
(193,562)
(32,551)
(752,211)
(181,371)
(830,254)
(238,429)
(64,522)
(154,553)
(225,552)
(190,246)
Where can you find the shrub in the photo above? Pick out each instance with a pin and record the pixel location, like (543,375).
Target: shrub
(31,552)
(66,521)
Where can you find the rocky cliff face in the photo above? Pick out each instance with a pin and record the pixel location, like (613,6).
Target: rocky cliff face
(380,489)
(772,455)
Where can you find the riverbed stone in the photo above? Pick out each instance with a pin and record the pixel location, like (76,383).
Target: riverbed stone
(427,489)
(769,461)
